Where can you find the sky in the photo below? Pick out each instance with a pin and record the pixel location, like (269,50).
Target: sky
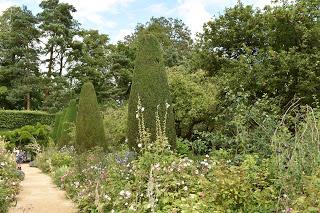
(118,18)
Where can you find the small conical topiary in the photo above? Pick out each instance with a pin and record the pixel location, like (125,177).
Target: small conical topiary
(150,85)
(56,126)
(68,121)
(89,123)
(59,130)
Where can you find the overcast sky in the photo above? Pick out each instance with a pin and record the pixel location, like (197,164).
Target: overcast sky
(118,18)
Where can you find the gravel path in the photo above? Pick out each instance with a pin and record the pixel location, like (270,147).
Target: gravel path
(39,195)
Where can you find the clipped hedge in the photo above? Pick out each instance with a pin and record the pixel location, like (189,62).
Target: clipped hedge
(12,119)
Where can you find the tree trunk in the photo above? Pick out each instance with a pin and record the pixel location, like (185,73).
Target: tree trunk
(61,65)
(46,93)
(50,62)
(27,101)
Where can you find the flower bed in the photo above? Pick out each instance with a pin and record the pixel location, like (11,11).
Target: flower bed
(10,178)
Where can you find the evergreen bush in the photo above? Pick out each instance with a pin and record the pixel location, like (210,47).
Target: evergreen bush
(56,126)
(60,124)
(68,121)
(150,85)
(13,119)
(89,123)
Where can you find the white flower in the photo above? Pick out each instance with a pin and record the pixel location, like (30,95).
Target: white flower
(2,164)
(125,194)
(107,197)
(132,208)
(126,204)
(137,115)
(142,109)
(140,145)
(207,156)
(157,166)
(128,194)
(112,211)
(185,188)
(167,105)
(76,184)
(126,140)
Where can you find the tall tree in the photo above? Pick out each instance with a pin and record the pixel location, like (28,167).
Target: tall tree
(90,62)
(173,35)
(150,85)
(58,28)
(19,74)
(270,51)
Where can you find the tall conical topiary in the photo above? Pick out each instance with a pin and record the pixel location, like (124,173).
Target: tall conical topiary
(89,124)
(69,119)
(150,84)
(59,130)
(56,126)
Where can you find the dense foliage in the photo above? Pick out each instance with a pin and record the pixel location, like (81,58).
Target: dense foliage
(68,124)
(160,180)
(89,123)
(26,135)
(11,119)
(150,92)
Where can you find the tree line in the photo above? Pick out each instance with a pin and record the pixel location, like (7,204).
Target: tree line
(262,53)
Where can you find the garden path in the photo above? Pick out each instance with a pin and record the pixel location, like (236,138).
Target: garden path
(39,195)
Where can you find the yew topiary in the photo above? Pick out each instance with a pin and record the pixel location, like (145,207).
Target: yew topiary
(69,119)
(60,124)
(150,85)
(89,123)
(56,126)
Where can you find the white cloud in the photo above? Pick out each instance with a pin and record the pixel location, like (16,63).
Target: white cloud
(158,8)
(121,34)
(93,11)
(194,13)
(4,4)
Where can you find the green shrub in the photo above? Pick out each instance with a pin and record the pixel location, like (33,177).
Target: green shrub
(115,122)
(150,85)
(56,126)
(60,125)
(27,135)
(89,124)
(58,173)
(68,122)
(194,98)
(12,119)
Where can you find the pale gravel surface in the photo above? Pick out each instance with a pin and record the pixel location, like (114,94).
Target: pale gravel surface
(39,195)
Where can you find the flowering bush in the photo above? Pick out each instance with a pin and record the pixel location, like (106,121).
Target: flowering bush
(156,179)
(9,178)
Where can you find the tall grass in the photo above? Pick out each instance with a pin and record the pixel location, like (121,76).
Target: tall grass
(296,153)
